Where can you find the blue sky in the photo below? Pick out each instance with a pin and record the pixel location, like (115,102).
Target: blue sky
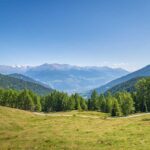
(80,32)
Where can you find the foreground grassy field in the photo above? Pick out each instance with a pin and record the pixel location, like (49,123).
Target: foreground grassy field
(73,130)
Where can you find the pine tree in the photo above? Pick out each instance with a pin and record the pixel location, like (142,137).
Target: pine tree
(94,100)
(37,103)
(143,95)
(83,104)
(127,104)
(109,102)
(77,101)
(71,103)
(103,105)
(101,100)
(116,111)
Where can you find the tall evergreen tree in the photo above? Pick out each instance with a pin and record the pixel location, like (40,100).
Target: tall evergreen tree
(94,100)
(116,111)
(143,95)
(127,104)
(109,102)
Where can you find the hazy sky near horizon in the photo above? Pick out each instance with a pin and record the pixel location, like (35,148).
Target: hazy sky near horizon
(80,32)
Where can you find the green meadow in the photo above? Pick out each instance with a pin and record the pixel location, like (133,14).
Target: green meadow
(22,130)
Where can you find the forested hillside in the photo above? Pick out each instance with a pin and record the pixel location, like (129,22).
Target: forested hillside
(8,82)
(26,78)
(22,77)
(144,72)
(128,86)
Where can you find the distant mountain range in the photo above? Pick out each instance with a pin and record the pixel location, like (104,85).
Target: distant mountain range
(66,77)
(69,78)
(124,83)
(13,69)
(20,82)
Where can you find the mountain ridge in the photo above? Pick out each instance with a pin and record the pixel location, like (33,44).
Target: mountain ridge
(68,78)
(143,72)
(8,82)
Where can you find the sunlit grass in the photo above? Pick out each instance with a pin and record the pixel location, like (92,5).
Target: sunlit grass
(25,130)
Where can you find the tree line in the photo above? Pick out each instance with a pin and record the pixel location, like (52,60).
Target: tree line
(119,104)
(123,103)
(55,101)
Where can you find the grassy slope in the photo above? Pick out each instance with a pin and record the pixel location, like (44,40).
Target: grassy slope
(25,130)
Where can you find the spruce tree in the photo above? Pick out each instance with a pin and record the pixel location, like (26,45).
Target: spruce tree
(116,111)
